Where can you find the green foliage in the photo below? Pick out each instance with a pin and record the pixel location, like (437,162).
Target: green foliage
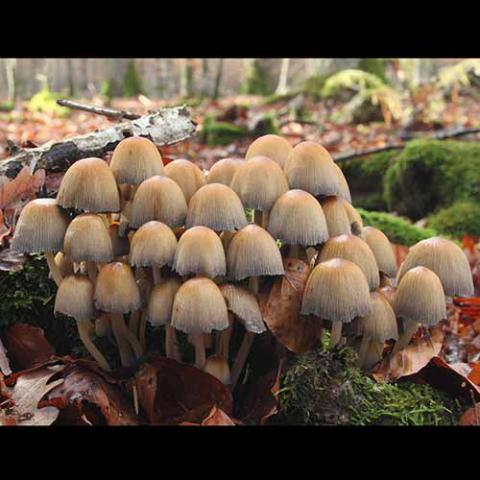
(257,81)
(462,218)
(314,85)
(347,83)
(375,66)
(46,101)
(132,84)
(106,89)
(324,387)
(276,97)
(220,133)
(430,174)
(397,229)
(267,124)
(459,75)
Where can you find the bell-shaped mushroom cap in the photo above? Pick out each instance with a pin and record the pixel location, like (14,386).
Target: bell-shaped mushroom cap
(186,175)
(160,303)
(357,251)
(116,290)
(344,189)
(445,259)
(89,185)
(41,227)
(336,290)
(223,171)
(200,251)
(338,222)
(217,366)
(158,198)
(154,243)
(64,264)
(226,238)
(135,159)
(253,252)
(243,303)
(356,222)
(120,244)
(382,249)
(298,219)
(199,307)
(259,182)
(75,298)
(380,324)
(216,206)
(271,146)
(87,239)
(420,297)
(310,167)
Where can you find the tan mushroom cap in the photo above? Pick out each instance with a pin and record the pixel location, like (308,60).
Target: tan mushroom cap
(338,221)
(445,259)
(187,176)
(271,146)
(160,302)
(64,264)
(420,297)
(135,159)
(344,189)
(199,307)
(356,222)
(310,167)
(253,252)
(380,324)
(75,298)
(120,245)
(89,185)
(259,182)
(224,170)
(336,290)
(87,239)
(116,290)
(158,198)
(41,227)
(216,206)
(200,251)
(153,244)
(354,249)
(218,367)
(382,249)
(243,303)
(298,219)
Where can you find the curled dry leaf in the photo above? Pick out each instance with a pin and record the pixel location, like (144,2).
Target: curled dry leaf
(27,345)
(281,310)
(4,363)
(23,187)
(216,418)
(400,251)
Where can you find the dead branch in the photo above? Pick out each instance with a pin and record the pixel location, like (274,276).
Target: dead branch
(106,112)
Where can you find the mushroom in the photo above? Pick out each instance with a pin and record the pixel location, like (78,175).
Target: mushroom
(223,171)
(187,176)
(419,298)
(336,290)
(378,326)
(271,146)
(344,189)
(382,249)
(445,259)
(297,219)
(75,299)
(64,264)
(116,293)
(198,308)
(87,239)
(41,227)
(120,245)
(200,252)
(310,167)
(158,198)
(338,220)
(217,366)
(216,206)
(353,248)
(89,185)
(259,182)
(356,222)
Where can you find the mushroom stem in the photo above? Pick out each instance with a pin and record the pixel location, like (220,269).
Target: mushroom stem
(253,284)
(133,322)
(363,350)
(222,347)
(409,329)
(118,323)
(157,275)
(102,326)
(199,345)
(242,356)
(53,267)
(171,347)
(384,280)
(257,217)
(335,334)
(83,331)
(92,271)
(142,331)
(122,344)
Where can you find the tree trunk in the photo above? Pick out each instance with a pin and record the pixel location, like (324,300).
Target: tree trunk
(282,86)
(218,79)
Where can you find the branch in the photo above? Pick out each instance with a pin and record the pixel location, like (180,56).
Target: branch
(106,112)
(164,127)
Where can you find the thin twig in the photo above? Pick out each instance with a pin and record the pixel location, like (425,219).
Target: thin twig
(106,112)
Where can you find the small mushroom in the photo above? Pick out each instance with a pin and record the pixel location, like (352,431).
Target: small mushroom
(356,222)
(344,189)
(223,171)
(218,367)
(64,264)
(187,176)
(338,220)
(271,146)
(382,249)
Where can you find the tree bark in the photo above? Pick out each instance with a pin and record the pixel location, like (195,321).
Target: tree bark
(282,86)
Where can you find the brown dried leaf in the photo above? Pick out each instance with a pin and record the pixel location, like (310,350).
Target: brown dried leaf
(215,418)
(4,363)
(471,417)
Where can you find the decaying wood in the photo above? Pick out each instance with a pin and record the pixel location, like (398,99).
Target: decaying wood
(164,127)
(106,112)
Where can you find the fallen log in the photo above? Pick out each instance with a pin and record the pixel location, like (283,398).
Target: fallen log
(166,126)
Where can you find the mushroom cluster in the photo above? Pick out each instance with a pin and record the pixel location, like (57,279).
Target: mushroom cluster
(171,246)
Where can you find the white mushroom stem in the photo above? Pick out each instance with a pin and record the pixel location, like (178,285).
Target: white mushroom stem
(409,329)
(199,345)
(92,271)
(134,321)
(54,269)
(119,325)
(126,356)
(363,350)
(222,347)
(171,346)
(294,251)
(102,326)
(335,334)
(84,333)
(242,356)
(157,275)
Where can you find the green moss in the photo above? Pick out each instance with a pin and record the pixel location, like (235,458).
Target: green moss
(346,83)
(132,84)
(324,387)
(46,101)
(220,133)
(314,85)
(462,218)
(376,66)
(276,97)
(397,229)
(257,81)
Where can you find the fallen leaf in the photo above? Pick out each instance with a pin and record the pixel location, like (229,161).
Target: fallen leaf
(11,261)
(4,363)
(401,252)
(217,417)
(471,417)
